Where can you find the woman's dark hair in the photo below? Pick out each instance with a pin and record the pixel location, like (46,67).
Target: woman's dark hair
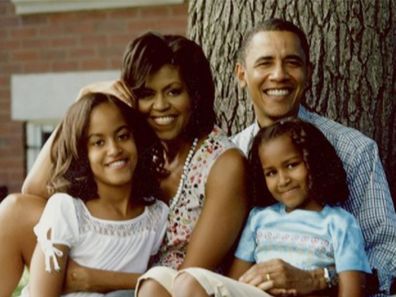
(327,180)
(150,52)
(71,172)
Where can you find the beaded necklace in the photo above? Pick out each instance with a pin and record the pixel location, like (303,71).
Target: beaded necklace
(183,177)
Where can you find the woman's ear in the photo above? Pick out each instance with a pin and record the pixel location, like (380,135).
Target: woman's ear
(240,75)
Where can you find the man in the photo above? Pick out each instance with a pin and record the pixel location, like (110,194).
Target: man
(274,67)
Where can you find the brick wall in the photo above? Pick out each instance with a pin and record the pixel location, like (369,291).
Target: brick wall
(62,42)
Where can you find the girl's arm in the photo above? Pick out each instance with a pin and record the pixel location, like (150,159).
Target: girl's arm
(223,213)
(351,284)
(36,181)
(46,283)
(81,278)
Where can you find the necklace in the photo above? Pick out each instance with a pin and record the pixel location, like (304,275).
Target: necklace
(183,177)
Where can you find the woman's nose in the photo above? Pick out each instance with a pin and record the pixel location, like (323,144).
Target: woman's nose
(161,102)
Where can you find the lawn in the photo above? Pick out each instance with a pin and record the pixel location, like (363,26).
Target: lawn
(22,283)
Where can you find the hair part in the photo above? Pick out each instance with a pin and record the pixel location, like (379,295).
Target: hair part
(148,53)
(327,181)
(273,25)
(71,171)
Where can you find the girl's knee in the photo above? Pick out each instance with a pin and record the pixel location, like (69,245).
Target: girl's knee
(150,287)
(186,285)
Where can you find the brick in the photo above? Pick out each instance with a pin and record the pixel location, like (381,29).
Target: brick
(36,43)
(60,66)
(123,13)
(10,44)
(37,67)
(155,12)
(63,42)
(94,64)
(180,10)
(25,55)
(52,54)
(80,52)
(24,32)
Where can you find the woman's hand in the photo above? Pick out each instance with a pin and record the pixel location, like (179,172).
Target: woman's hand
(279,278)
(116,88)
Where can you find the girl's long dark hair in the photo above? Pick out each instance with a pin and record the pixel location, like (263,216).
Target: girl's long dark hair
(71,172)
(327,177)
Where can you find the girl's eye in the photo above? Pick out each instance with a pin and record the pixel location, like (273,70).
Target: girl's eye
(98,143)
(269,173)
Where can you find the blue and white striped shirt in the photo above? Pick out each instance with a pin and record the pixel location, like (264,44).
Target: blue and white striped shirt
(369,200)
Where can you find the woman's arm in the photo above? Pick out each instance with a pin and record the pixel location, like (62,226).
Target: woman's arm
(223,213)
(36,181)
(351,284)
(238,268)
(46,283)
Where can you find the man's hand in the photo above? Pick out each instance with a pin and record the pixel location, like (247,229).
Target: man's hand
(279,278)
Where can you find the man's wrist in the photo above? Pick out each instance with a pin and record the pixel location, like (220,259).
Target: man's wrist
(330,276)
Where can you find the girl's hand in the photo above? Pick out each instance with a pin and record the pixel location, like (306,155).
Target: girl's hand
(279,278)
(116,88)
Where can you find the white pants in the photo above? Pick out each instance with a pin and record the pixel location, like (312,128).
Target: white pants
(213,283)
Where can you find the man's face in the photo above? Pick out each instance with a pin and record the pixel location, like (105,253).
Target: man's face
(275,72)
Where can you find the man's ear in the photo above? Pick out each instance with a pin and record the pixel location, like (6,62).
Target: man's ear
(240,74)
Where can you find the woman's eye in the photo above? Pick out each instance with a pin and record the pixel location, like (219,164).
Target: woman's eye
(293,165)
(124,136)
(144,94)
(175,92)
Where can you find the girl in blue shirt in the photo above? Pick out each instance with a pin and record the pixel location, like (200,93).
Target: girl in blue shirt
(298,181)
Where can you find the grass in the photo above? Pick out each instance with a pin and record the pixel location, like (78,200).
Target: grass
(22,283)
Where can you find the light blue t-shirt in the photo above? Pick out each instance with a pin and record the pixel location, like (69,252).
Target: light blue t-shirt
(304,239)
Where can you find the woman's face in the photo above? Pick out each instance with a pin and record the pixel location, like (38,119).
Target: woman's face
(112,152)
(165,103)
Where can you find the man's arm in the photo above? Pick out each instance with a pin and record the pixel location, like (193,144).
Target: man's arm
(371,203)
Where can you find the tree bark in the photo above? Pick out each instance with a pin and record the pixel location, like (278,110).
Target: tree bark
(352,46)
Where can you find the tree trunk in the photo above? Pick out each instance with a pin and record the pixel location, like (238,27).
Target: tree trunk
(352,49)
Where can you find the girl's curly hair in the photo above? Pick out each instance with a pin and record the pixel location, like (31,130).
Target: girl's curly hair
(327,181)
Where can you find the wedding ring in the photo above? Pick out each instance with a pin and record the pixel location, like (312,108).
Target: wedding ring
(268,277)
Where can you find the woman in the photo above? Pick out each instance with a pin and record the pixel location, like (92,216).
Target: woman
(201,173)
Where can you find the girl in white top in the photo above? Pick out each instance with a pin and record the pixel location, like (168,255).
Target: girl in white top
(99,214)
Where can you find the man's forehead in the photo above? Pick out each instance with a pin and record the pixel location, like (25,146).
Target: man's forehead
(272,42)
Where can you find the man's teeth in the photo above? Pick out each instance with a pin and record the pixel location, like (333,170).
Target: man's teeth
(117,164)
(277,92)
(164,120)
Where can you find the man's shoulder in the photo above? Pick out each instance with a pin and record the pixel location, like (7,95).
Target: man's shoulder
(338,134)
(244,138)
